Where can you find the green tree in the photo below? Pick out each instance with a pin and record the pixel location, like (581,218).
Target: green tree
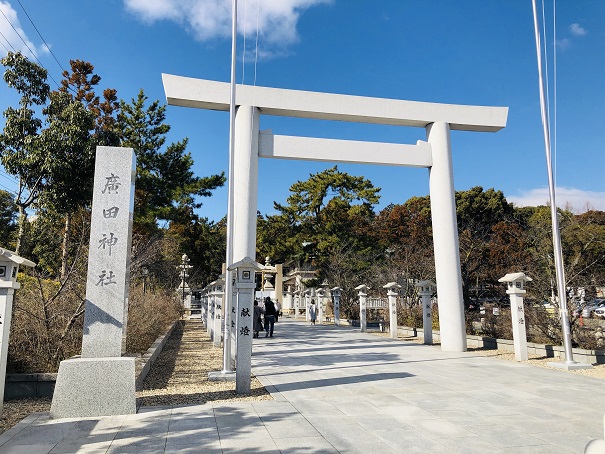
(477,212)
(166,187)
(204,241)
(8,218)
(327,221)
(69,187)
(21,149)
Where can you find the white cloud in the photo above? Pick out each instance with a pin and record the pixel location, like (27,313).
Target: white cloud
(577,30)
(563,44)
(276,20)
(14,40)
(578,199)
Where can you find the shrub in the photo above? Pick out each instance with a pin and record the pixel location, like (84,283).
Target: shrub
(149,315)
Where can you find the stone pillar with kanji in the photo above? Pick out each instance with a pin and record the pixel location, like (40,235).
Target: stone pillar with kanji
(515,283)
(245,285)
(363,298)
(78,391)
(392,292)
(426,290)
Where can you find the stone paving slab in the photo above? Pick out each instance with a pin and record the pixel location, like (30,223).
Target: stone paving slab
(337,390)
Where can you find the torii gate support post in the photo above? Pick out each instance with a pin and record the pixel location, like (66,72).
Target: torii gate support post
(445,240)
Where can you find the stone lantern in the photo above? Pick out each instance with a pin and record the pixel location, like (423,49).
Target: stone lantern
(245,285)
(9,267)
(426,290)
(336,295)
(515,283)
(392,292)
(363,298)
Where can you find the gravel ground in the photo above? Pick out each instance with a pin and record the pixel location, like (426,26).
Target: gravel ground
(180,374)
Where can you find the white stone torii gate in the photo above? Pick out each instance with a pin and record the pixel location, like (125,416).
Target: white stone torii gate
(434,154)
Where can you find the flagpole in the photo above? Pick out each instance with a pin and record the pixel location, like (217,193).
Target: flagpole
(227,366)
(556,235)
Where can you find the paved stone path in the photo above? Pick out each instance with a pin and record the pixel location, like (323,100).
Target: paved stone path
(340,391)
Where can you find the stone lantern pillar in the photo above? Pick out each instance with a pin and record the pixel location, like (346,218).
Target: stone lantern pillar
(363,297)
(514,288)
(426,290)
(296,303)
(321,295)
(9,267)
(288,302)
(336,296)
(392,292)
(245,285)
(307,294)
(219,293)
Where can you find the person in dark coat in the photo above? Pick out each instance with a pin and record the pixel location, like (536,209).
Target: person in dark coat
(269,317)
(257,324)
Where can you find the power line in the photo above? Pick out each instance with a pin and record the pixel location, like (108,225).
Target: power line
(40,35)
(9,176)
(8,42)
(26,45)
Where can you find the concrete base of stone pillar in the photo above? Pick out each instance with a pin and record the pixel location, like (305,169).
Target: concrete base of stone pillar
(221,376)
(570,366)
(91,387)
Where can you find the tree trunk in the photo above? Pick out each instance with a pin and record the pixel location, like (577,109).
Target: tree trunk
(22,218)
(65,246)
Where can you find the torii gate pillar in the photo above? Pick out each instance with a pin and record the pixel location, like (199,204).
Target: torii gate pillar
(245,180)
(445,240)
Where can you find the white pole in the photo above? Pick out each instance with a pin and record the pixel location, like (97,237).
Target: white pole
(556,237)
(445,238)
(227,367)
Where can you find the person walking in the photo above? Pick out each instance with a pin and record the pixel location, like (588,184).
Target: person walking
(269,317)
(277,310)
(312,312)
(257,323)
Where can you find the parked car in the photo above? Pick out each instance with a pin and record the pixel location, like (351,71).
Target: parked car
(600,312)
(592,306)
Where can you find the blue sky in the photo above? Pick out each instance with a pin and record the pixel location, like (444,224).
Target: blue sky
(478,52)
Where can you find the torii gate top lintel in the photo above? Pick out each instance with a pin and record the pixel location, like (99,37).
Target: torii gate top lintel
(213,95)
